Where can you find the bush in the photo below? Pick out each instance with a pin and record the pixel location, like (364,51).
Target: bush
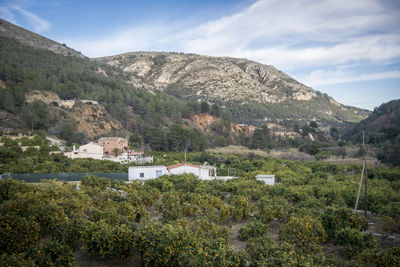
(354,240)
(380,257)
(270,208)
(253,229)
(240,207)
(265,252)
(106,240)
(337,218)
(306,233)
(95,182)
(17,233)
(57,254)
(16,260)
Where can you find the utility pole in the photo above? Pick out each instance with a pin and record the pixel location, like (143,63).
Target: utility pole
(185,154)
(364,171)
(366,178)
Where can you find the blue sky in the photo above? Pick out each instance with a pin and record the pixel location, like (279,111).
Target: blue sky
(347,49)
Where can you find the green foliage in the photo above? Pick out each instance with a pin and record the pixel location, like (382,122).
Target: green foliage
(240,207)
(263,251)
(270,208)
(354,240)
(380,257)
(382,130)
(335,219)
(95,182)
(36,115)
(16,260)
(261,138)
(18,234)
(252,230)
(180,220)
(182,245)
(221,141)
(106,240)
(306,233)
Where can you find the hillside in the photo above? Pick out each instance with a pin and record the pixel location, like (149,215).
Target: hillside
(253,93)
(35,40)
(382,130)
(159,100)
(53,94)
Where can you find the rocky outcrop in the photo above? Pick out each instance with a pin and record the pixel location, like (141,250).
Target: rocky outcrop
(93,120)
(204,122)
(212,78)
(44,96)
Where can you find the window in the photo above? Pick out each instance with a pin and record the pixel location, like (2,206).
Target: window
(158,173)
(84,150)
(142,175)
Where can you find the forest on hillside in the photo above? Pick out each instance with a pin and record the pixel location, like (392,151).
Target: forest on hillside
(381,130)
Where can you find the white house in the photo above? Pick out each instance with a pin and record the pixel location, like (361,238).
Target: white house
(91,150)
(268,179)
(146,172)
(201,171)
(204,172)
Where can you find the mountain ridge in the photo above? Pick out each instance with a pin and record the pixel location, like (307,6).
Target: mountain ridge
(146,91)
(229,82)
(32,39)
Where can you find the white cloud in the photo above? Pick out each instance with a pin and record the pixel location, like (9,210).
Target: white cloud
(36,22)
(332,40)
(6,14)
(324,77)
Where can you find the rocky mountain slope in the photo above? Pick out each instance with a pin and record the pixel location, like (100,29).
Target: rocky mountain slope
(231,82)
(151,96)
(35,40)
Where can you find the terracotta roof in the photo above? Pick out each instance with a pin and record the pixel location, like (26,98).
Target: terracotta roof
(182,164)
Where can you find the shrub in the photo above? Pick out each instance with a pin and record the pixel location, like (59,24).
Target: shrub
(59,254)
(265,252)
(306,233)
(336,218)
(354,240)
(240,207)
(95,182)
(16,260)
(380,257)
(253,229)
(17,233)
(106,240)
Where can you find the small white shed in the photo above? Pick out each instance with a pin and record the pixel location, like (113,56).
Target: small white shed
(268,179)
(146,172)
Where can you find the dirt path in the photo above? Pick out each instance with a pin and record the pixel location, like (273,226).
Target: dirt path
(273,229)
(234,242)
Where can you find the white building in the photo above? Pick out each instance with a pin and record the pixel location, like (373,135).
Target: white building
(146,172)
(268,179)
(204,172)
(91,150)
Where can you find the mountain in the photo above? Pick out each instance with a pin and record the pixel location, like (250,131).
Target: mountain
(35,40)
(381,130)
(160,100)
(253,93)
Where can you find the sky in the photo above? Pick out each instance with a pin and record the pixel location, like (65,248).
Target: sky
(347,49)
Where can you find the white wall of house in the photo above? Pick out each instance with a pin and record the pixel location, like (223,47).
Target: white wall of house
(200,172)
(146,172)
(91,150)
(268,179)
